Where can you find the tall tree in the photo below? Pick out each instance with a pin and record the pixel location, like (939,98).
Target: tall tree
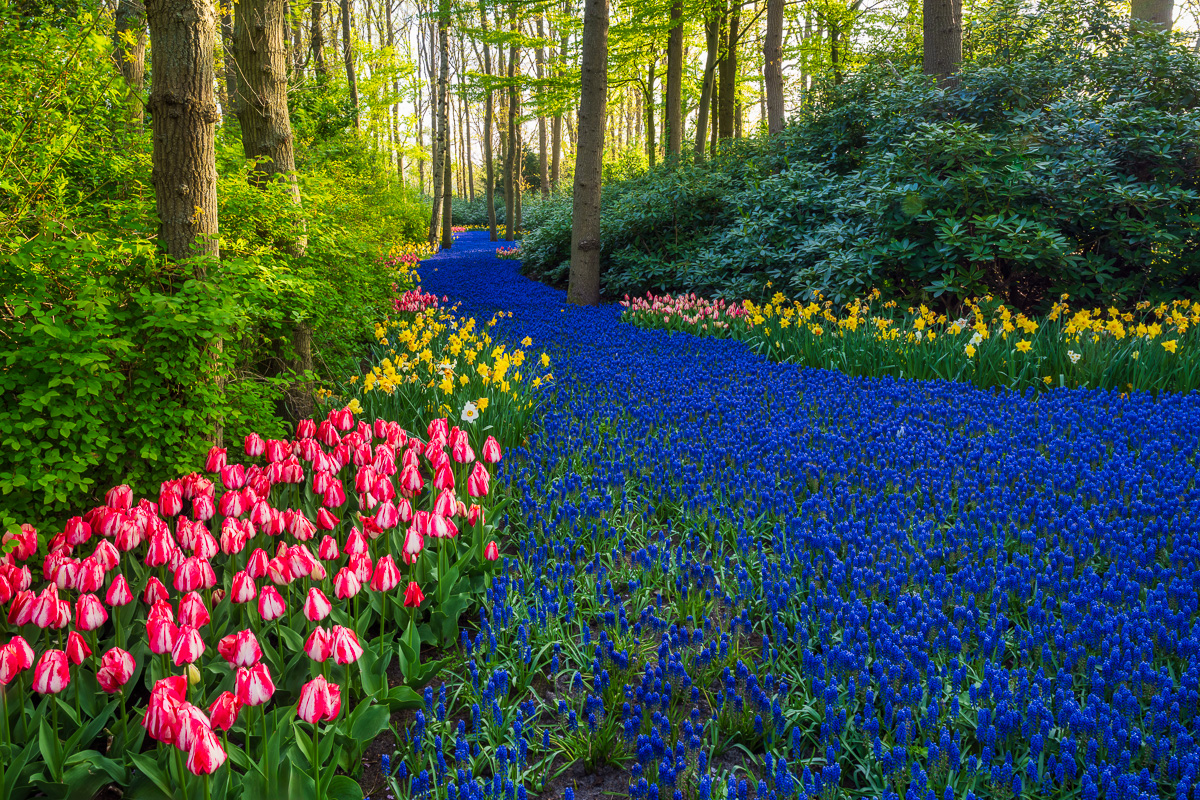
(317,40)
(651,144)
(348,53)
(728,73)
(673,116)
(943,39)
(444,121)
(435,139)
(510,167)
(183,112)
(488,114)
(773,65)
(584,280)
(129,51)
(712,36)
(540,53)
(229,47)
(1157,13)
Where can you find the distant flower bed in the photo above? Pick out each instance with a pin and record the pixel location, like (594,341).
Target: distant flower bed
(513,252)
(1153,347)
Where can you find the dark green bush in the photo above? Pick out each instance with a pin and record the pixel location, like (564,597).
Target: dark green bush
(1061,171)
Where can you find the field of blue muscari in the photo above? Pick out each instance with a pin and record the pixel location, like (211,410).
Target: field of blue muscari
(734,578)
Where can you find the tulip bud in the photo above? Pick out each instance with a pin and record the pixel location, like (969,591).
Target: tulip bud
(216,459)
(116,668)
(346,584)
(77,648)
(316,605)
(319,700)
(491,552)
(491,450)
(413,596)
(119,498)
(193,675)
(52,674)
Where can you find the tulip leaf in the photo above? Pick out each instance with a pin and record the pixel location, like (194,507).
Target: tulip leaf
(50,747)
(343,787)
(403,697)
(149,768)
(369,722)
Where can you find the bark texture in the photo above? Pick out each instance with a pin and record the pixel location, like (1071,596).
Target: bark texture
(348,53)
(1158,13)
(183,113)
(317,39)
(584,283)
(773,65)
(674,107)
(511,166)
(729,68)
(943,38)
(444,113)
(130,24)
(713,41)
(488,116)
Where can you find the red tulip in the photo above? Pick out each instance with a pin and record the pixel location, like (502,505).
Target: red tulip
(327,434)
(319,645)
(240,649)
(255,446)
(328,549)
(170,499)
(277,450)
(192,611)
(362,566)
(162,718)
(325,520)
(257,564)
(155,591)
(316,605)
(306,429)
(203,507)
(188,647)
(65,572)
(116,668)
(346,584)
(334,495)
(161,635)
(319,700)
(233,536)
(77,532)
(244,589)
(461,452)
(438,428)
(444,477)
(356,543)
(118,592)
(224,711)
(6,590)
(52,674)
(11,664)
(89,613)
(446,503)
(107,555)
(346,649)
(477,483)
(442,528)
(216,459)
(413,596)
(26,539)
(411,482)
(206,755)
(414,543)
(77,648)
(119,498)
(233,476)
(387,575)
(270,604)
(45,608)
(387,516)
(301,527)
(404,509)
(491,450)
(491,552)
(189,576)
(474,514)
(254,685)
(20,612)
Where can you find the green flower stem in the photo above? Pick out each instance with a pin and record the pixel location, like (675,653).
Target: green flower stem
(317,758)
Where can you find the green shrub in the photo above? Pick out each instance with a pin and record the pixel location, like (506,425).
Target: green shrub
(1061,171)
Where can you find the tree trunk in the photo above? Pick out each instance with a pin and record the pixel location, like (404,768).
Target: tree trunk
(129,51)
(470,156)
(729,68)
(511,166)
(673,116)
(712,38)
(557,126)
(540,56)
(230,67)
(651,144)
(488,114)
(773,65)
(444,122)
(1157,13)
(584,283)
(943,39)
(317,41)
(183,115)
(348,53)
(435,142)
(835,35)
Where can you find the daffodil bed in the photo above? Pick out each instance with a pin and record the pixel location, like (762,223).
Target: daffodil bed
(732,577)
(1152,347)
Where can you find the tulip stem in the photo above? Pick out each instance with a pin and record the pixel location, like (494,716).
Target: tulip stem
(57,741)
(182,772)
(317,757)
(207,791)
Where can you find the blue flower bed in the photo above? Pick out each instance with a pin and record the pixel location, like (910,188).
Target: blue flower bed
(738,578)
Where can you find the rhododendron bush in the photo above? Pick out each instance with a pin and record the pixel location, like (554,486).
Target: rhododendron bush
(232,637)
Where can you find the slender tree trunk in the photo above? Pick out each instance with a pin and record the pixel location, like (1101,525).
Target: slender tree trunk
(129,51)
(519,193)
(584,282)
(773,65)
(183,115)
(943,39)
(420,111)
(729,69)
(651,144)
(348,53)
(317,41)
(540,55)
(713,41)
(835,35)
(470,156)
(673,118)
(444,123)
(511,167)
(1157,13)
(488,115)
(557,125)
(435,142)
(229,64)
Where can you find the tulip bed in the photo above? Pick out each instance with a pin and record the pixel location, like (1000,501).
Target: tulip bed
(738,578)
(233,636)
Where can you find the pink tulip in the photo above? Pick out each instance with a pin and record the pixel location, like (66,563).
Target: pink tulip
(188,647)
(413,596)
(319,645)
(301,527)
(411,482)
(170,500)
(119,498)
(387,516)
(443,478)
(306,429)
(193,612)
(11,664)
(233,476)
(206,754)
(325,520)
(346,649)
(107,555)
(446,504)
(414,543)
(319,700)
(77,648)
(477,483)
(474,514)
(334,495)
(223,712)
(203,508)
(162,635)
(254,685)
(257,565)
(387,575)
(442,528)
(244,589)
(255,446)
(162,718)
(270,604)
(155,591)
(52,674)
(491,450)
(189,576)
(316,605)
(240,649)
(116,668)
(491,552)
(89,613)
(118,593)
(362,566)
(45,608)
(346,584)
(328,549)
(216,459)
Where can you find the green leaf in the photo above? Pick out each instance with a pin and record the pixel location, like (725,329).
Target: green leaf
(343,787)
(370,722)
(49,745)
(149,767)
